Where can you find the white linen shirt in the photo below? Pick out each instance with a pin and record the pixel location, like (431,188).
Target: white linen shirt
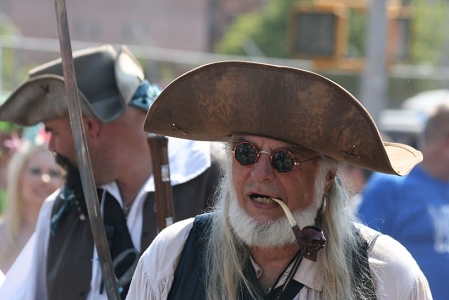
(396,273)
(26,278)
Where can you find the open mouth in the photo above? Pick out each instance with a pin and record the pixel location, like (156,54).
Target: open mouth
(262,199)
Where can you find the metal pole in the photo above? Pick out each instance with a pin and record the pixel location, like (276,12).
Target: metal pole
(374,77)
(213,18)
(84,164)
(1,69)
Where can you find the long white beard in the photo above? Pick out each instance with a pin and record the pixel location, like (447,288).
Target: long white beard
(274,233)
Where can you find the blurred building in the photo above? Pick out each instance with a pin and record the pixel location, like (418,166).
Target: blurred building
(157,31)
(193,25)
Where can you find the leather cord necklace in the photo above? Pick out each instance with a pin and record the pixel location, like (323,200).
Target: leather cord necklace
(279,292)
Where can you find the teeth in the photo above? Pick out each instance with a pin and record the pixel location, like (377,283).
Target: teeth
(263,200)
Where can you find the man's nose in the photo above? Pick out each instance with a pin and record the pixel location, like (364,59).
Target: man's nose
(262,169)
(52,144)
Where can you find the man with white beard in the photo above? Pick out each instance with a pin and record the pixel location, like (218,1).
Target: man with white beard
(287,131)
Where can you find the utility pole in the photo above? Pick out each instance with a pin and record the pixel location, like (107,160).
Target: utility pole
(374,76)
(213,21)
(1,69)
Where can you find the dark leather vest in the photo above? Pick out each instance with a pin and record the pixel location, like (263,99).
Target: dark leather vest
(70,249)
(189,278)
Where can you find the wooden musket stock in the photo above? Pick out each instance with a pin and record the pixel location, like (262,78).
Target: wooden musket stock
(161,171)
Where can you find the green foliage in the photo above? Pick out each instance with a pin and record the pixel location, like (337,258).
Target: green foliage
(429,31)
(2,200)
(267,28)
(243,28)
(356,34)
(7,127)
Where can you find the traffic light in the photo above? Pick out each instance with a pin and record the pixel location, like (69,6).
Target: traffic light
(318,31)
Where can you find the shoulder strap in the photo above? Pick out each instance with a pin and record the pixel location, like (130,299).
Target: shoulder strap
(290,293)
(363,279)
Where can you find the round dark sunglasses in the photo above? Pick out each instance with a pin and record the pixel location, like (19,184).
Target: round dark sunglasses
(282,160)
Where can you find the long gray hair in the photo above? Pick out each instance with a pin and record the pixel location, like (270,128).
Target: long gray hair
(226,255)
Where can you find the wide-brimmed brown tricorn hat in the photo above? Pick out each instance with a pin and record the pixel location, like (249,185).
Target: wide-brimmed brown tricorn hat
(106,82)
(214,101)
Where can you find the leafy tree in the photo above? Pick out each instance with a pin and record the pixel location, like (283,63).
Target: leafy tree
(430,22)
(7,55)
(267,28)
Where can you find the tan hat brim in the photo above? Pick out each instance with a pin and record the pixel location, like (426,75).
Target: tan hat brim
(217,100)
(38,99)
(106,82)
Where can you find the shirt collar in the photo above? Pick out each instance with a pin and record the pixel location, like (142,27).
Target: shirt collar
(307,274)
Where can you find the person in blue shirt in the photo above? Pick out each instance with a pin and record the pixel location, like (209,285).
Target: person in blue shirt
(414,209)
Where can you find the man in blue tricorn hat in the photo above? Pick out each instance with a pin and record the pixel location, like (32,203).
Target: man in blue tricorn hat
(279,228)
(114,99)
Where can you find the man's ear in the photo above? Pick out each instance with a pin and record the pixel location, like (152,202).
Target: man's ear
(92,127)
(330,179)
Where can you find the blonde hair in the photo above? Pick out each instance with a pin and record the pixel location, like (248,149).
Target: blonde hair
(15,202)
(226,254)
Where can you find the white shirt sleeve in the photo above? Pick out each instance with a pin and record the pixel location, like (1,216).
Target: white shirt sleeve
(396,272)
(155,271)
(25,279)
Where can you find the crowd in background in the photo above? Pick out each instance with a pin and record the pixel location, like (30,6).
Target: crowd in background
(413,209)
(29,175)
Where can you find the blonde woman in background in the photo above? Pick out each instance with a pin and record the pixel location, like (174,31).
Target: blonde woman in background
(32,176)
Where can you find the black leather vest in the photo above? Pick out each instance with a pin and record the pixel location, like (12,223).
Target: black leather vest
(189,278)
(70,249)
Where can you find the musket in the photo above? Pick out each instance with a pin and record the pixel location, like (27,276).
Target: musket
(84,164)
(163,193)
